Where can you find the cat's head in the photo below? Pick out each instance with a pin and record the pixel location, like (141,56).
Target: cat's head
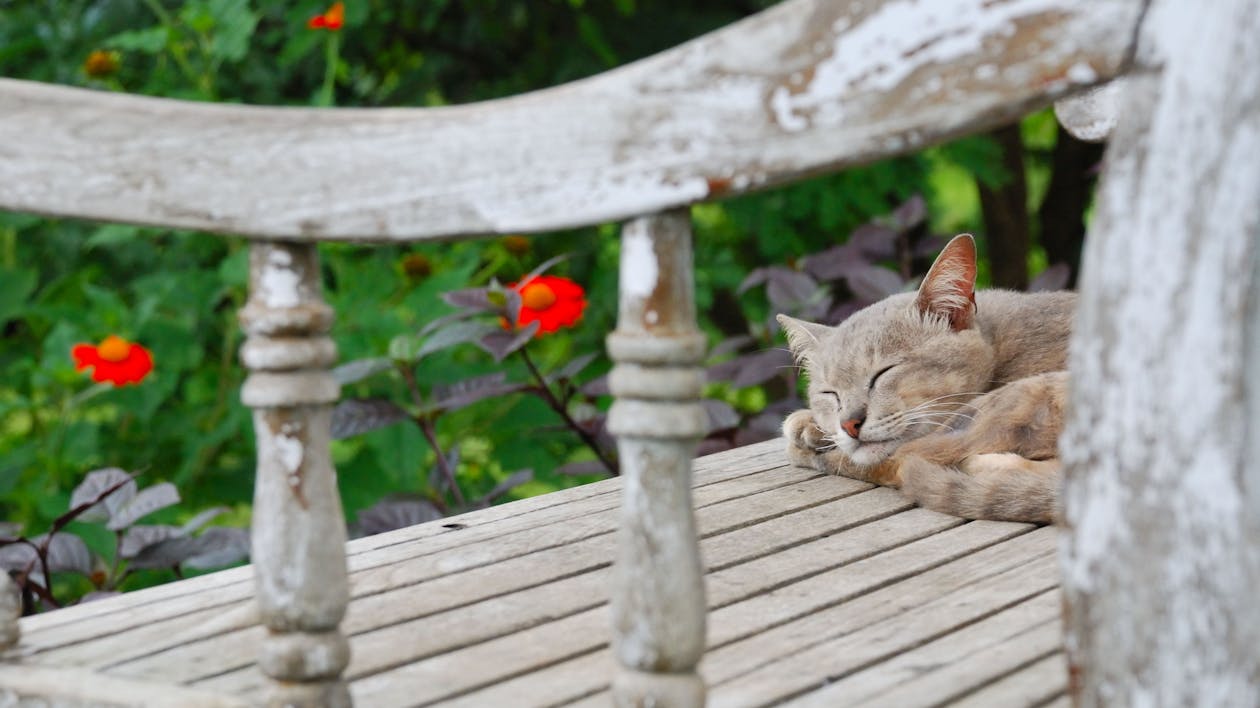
(899,369)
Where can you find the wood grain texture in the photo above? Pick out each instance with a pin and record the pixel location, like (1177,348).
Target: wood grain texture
(801,88)
(1161,560)
(298,532)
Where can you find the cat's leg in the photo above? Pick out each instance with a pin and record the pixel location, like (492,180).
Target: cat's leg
(807,446)
(994,486)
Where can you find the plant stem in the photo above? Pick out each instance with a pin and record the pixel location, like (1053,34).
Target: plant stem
(562,410)
(332,53)
(430,432)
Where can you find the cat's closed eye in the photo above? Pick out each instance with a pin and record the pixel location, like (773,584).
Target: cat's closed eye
(881,372)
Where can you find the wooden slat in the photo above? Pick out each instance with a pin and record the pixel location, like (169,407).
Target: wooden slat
(384,649)
(923,533)
(800,670)
(957,663)
(24,685)
(719,477)
(859,607)
(579,544)
(383,642)
(805,86)
(1040,684)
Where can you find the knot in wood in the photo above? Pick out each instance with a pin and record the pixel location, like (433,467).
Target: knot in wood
(304,656)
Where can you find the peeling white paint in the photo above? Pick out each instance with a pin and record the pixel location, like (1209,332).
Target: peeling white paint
(877,54)
(278,283)
(639,269)
(289,449)
(781,104)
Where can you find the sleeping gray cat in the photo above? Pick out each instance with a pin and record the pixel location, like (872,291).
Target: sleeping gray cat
(954,396)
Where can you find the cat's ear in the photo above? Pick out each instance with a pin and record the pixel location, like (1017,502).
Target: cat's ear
(803,337)
(949,288)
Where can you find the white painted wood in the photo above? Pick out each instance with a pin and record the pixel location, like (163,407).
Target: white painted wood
(805,667)
(10,612)
(298,531)
(1091,116)
(1162,554)
(43,687)
(658,602)
(804,86)
(958,663)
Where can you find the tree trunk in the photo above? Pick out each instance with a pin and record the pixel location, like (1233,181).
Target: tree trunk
(1062,213)
(1005,211)
(1161,566)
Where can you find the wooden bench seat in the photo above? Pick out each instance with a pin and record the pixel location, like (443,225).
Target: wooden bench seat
(821,590)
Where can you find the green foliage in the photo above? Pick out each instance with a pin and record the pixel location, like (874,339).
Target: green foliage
(65,282)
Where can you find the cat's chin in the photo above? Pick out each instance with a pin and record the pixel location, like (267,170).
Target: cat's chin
(869,454)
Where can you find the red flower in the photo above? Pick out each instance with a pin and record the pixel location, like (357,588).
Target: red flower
(114,360)
(332,19)
(550,300)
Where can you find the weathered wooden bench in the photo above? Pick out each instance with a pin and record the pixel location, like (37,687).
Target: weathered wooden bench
(819,590)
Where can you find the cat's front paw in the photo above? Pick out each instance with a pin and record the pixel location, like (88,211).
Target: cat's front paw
(804,439)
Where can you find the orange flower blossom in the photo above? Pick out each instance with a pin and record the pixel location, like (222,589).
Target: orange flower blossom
(332,19)
(551,301)
(114,360)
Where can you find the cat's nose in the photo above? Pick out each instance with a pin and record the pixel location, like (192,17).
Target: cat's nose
(852,426)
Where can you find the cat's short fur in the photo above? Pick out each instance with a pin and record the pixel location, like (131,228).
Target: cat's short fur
(953,395)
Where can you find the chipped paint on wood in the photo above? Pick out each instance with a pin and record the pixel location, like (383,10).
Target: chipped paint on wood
(298,530)
(1162,508)
(638,260)
(804,86)
(658,596)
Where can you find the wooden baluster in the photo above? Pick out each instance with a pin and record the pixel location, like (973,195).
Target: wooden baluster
(658,596)
(10,611)
(299,532)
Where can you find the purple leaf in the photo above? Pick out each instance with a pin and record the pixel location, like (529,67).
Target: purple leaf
(469,391)
(360,415)
(721,415)
(500,344)
(841,312)
(762,366)
(68,553)
(753,279)
(573,368)
(543,267)
(596,387)
(930,246)
(911,213)
(788,288)
(1053,278)
(218,546)
(391,514)
(201,519)
(873,283)
(98,482)
(360,369)
(512,481)
(457,333)
(472,299)
(835,262)
(874,241)
(139,537)
(730,345)
(147,501)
